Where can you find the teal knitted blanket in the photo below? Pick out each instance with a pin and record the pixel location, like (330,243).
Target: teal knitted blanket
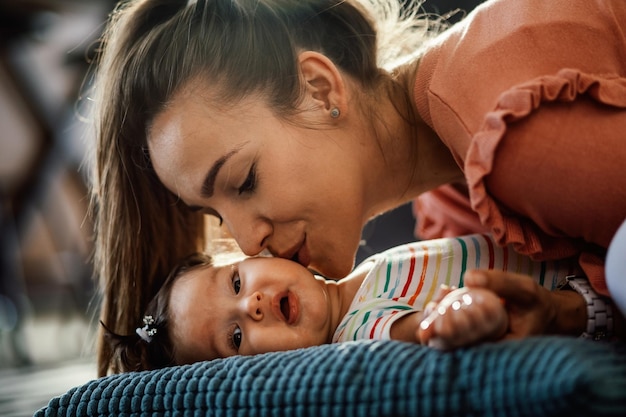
(545,376)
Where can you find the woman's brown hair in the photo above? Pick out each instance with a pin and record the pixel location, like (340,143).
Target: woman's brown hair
(150,50)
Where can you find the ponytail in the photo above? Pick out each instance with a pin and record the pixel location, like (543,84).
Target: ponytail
(150,346)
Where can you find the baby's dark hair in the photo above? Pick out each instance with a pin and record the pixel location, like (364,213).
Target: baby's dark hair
(151,346)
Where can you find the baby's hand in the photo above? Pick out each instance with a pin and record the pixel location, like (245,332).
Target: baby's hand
(438,297)
(463,317)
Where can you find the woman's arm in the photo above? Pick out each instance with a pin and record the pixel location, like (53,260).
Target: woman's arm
(534,310)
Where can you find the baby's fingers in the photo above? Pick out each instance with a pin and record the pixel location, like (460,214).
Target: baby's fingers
(443,327)
(438,297)
(464,318)
(442,292)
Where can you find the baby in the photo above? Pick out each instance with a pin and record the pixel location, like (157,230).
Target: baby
(256,305)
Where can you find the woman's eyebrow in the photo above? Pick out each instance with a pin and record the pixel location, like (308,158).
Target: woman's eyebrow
(208,185)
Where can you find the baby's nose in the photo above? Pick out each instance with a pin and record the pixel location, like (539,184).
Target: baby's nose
(253,305)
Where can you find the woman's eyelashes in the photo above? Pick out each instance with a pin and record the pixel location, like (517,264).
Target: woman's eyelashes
(210,212)
(249,184)
(219,218)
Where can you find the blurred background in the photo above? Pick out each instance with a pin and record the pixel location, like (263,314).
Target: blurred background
(48,309)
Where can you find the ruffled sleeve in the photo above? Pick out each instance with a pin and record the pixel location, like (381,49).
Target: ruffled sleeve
(547,114)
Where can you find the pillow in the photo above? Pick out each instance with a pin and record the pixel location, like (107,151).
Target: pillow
(542,376)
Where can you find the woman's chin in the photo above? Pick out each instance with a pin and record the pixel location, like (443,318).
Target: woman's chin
(335,262)
(336,270)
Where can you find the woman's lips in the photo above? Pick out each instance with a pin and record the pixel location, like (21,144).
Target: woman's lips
(298,253)
(302,256)
(286,307)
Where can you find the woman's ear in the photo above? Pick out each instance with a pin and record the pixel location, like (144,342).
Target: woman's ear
(323,82)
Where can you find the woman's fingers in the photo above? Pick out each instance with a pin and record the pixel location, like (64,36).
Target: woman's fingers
(511,287)
(531,308)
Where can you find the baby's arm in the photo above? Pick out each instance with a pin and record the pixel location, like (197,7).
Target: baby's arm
(463,317)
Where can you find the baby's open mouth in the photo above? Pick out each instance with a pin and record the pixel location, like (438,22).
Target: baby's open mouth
(284,308)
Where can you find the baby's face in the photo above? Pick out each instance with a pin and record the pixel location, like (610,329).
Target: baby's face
(254,306)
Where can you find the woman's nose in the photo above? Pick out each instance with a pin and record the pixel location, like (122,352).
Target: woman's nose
(252,305)
(250,233)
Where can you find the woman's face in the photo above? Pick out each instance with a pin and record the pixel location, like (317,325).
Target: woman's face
(293,190)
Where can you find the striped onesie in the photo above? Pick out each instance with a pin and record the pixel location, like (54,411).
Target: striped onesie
(405,278)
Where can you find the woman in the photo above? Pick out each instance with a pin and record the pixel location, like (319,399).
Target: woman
(277,118)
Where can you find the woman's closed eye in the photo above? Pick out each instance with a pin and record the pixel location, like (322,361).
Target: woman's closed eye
(249,184)
(208,211)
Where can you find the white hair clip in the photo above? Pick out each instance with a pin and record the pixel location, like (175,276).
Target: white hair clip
(146,332)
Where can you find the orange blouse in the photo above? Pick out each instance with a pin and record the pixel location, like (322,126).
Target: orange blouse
(530,97)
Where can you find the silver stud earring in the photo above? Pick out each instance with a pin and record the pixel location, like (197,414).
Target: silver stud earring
(334,113)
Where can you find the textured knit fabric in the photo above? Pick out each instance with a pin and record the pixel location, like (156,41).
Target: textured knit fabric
(530,378)
(530,98)
(405,278)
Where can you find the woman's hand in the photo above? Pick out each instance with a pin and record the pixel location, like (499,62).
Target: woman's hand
(532,309)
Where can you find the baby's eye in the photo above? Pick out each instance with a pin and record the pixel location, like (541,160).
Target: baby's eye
(236,282)
(236,338)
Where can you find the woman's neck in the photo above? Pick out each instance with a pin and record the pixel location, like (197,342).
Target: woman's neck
(435,165)
(412,159)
